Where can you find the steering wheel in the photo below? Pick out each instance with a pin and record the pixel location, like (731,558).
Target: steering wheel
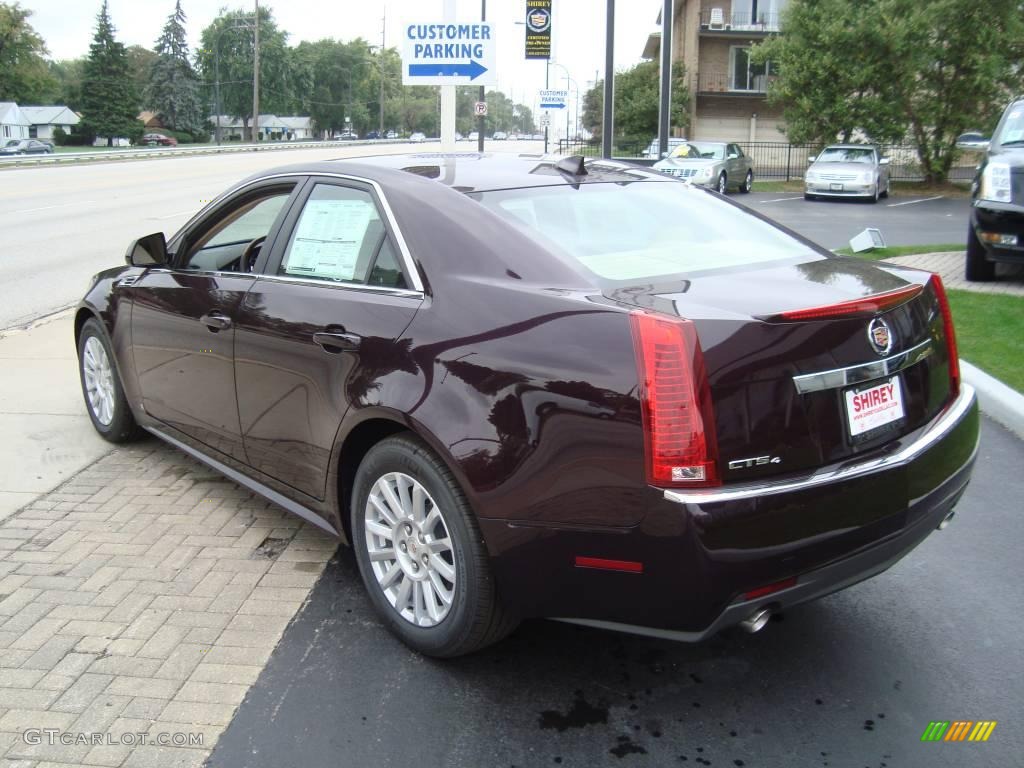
(247,260)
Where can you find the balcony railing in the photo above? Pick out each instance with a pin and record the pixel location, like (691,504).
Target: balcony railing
(724,82)
(721,20)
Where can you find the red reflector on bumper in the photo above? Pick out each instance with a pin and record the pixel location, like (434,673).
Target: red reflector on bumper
(628,566)
(769,588)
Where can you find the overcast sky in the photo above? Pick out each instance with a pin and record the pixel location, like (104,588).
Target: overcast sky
(578,37)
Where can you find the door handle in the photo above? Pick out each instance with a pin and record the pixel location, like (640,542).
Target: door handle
(337,342)
(215,321)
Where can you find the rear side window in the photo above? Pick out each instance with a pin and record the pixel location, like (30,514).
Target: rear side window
(340,237)
(643,230)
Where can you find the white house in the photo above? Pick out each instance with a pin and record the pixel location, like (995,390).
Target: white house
(272,127)
(13,123)
(45,120)
(298,127)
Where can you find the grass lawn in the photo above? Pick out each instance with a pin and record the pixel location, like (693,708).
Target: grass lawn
(901,250)
(990,333)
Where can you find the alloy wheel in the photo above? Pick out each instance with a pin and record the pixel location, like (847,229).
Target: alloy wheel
(99,381)
(410,549)
(723,184)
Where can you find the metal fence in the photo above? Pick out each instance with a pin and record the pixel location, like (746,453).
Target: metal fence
(783,161)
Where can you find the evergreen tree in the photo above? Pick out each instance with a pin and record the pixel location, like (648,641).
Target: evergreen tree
(109,101)
(173,91)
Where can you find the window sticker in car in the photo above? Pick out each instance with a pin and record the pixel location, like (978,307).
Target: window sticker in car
(328,237)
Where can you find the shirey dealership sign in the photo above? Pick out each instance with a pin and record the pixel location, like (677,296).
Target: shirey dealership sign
(538,29)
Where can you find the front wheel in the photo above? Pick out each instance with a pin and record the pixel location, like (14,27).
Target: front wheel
(723,183)
(748,182)
(104,398)
(420,553)
(977,268)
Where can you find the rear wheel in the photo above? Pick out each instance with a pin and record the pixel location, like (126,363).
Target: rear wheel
(748,182)
(104,398)
(977,268)
(420,553)
(723,183)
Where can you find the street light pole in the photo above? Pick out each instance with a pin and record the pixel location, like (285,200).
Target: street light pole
(383,27)
(256,79)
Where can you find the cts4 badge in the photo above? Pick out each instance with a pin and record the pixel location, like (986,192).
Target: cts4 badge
(754,461)
(880,336)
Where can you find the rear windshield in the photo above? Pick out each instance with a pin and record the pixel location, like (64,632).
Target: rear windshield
(643,230)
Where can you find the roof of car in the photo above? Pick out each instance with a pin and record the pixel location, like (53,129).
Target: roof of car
(475,172)
(851,146)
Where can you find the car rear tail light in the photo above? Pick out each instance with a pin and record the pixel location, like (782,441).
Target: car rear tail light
(678,421)
(868,305)
(950,334)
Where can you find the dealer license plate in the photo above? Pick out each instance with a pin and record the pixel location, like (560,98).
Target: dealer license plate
(871,407)
(835,187)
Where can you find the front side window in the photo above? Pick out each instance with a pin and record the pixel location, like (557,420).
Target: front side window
(340,237)
(238,232)
(642,230)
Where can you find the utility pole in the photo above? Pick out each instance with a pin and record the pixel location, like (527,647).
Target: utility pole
(665,90)
(256,79)
(608,112)
(383,27)
(481,121)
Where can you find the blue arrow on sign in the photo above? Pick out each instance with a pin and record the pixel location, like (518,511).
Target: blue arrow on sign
(557,105)
(472,70)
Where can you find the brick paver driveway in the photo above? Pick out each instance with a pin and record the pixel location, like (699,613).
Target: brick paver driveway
(138,603)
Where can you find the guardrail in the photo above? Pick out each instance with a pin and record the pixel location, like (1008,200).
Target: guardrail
(133,153)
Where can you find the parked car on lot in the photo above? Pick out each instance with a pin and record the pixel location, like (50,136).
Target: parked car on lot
(500,136)
(373,135)
(848,170)
(996,230)
(714,164)
(348,135)
(651,152)
(558,388)
(158,139)
(26,147)
(391,135)
(474,135)
(417,137)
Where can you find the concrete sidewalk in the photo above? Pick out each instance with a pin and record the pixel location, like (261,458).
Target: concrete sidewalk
(47,436)
(950,266)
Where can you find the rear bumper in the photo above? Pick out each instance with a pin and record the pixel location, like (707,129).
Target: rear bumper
(701,551)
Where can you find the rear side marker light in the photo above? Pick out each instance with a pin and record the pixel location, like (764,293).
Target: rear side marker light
(600,563)
(770,589)
(868,305)
(950,333)
(678,421)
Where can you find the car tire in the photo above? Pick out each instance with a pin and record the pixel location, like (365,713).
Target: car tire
(876,194)
(473,616)
(105,401)
(748,183)
(723,183)
(977,268)
(888,188)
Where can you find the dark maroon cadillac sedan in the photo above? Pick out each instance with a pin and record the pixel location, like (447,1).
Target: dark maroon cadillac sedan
(526,387)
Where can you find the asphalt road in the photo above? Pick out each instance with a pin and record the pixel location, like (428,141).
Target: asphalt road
(850,681)
(901,220)
(63,224)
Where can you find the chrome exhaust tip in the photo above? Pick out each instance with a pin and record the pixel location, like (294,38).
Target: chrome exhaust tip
(757,620)
(946,521)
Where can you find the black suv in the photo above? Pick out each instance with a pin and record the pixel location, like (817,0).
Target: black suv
(996,232)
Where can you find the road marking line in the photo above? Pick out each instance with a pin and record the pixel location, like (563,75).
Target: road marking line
(780,199)
(912,202)
(49,207)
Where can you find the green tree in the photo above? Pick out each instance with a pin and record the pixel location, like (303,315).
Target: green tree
(173,90)
(637,95)
(109,100)
(339,80)
(67,77)
(227,48)
(140,64)
(24,74)
(896,68)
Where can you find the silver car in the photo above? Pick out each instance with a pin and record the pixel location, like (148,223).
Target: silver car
(710,164)
(848,170)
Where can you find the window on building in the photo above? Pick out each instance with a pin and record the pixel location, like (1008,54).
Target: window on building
(745,75)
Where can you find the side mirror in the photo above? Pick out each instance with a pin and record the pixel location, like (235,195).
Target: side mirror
(148,251)
(884,161)
(811,159)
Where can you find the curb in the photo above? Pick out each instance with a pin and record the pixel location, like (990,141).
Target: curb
(997,400)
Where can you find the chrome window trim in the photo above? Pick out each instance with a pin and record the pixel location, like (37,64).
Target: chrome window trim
(929,437)
(382,289)
(407,258)
(855,374)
